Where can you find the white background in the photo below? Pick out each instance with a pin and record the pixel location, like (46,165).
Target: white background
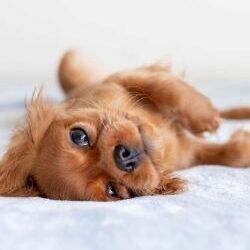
(210,38)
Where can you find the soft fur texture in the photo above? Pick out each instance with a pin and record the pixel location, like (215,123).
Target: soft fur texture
(149,108)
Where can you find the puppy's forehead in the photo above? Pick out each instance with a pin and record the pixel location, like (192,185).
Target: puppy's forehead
(96,116)
(80,114)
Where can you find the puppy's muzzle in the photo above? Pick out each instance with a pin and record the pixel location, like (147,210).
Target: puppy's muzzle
(126,158)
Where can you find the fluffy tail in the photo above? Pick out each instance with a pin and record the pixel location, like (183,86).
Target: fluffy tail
(236,113)
(75,69)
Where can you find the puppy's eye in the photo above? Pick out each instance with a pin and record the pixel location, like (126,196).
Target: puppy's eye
(112,191)
(79,137)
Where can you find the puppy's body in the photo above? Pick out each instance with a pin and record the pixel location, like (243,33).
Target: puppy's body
(115,137)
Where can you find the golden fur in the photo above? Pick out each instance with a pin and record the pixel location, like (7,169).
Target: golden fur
(149,108)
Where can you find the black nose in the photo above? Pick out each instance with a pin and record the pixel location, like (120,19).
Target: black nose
(127,159)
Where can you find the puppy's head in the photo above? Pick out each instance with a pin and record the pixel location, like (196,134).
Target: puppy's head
(81,154)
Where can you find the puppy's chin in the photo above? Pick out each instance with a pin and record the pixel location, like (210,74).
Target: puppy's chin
(147,178)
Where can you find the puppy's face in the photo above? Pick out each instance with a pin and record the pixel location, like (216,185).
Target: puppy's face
(90,154)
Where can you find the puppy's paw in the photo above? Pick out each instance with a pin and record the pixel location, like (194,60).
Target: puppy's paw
(241,135)
(238,149)
(172,185)
(200,115)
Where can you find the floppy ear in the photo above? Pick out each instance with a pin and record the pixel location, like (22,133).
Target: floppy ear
(17,163)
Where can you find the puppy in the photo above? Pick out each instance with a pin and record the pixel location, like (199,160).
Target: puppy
(116,137)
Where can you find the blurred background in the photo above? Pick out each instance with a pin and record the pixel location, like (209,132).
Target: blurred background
(211,39)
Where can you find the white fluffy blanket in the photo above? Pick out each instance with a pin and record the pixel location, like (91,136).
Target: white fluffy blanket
(213,214)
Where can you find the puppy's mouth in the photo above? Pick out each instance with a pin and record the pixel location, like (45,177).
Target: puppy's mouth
(142,166)
(152,147)
(140,176)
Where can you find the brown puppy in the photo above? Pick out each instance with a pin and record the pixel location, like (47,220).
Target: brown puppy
(115,138)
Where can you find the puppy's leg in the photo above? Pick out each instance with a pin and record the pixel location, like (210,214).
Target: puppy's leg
(234,153)
(75,70)
(171,95)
